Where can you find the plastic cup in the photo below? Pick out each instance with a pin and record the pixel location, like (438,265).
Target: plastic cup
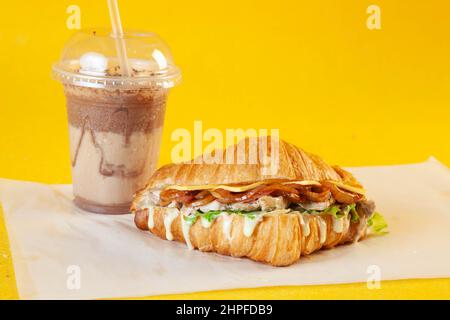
(115,121)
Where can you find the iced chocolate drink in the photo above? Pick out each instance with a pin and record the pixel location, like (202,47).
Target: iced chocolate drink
(114,143)
(115,125)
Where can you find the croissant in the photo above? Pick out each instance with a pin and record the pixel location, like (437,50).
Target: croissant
(280,239)
(240,210)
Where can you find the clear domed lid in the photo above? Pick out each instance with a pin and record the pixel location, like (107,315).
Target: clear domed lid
(90,58)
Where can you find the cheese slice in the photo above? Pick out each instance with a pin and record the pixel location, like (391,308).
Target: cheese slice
(349,188)
(256,184)
(216,186)
(304,183)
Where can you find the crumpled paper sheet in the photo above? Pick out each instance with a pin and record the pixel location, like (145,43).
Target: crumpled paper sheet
(62,252)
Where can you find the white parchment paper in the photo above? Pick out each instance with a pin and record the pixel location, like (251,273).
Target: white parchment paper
(62,252)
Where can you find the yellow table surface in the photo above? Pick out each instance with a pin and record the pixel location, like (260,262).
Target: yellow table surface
(311,69)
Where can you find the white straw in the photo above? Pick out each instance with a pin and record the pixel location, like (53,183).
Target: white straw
(117,30)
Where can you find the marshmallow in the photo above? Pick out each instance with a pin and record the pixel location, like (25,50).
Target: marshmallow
(141,65)
(93,63)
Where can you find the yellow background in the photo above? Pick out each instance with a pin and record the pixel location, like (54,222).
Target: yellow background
(310,68)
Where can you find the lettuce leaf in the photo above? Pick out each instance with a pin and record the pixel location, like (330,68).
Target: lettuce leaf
(377,224)
(354,213)
(335,211)
(355,216)
(190,219)
(210,215)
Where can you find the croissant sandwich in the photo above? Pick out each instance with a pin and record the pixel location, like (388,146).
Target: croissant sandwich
(241,210)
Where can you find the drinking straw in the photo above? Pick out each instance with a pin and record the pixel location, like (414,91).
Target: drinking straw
(117,32)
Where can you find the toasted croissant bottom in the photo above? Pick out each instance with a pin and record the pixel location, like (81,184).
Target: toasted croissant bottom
(279,239)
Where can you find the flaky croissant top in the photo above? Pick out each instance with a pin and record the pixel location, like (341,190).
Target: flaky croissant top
(294,164)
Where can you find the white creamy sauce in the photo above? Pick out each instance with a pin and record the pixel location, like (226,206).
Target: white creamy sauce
(358,235)
(250,224)
(304,222)
(171,214)
(186,227)
(151,214)
(227,219)
(338,224)
(361,229)
(347,223)
(205,223)
(322,229)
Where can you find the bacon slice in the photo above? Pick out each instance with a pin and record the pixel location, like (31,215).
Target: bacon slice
(293,192)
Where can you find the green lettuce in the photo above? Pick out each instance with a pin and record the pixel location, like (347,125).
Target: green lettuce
(354,213)
(337,211)
(355,216)
(210,216)
(190,219)
(377,223)
(249,214)
(334,210)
